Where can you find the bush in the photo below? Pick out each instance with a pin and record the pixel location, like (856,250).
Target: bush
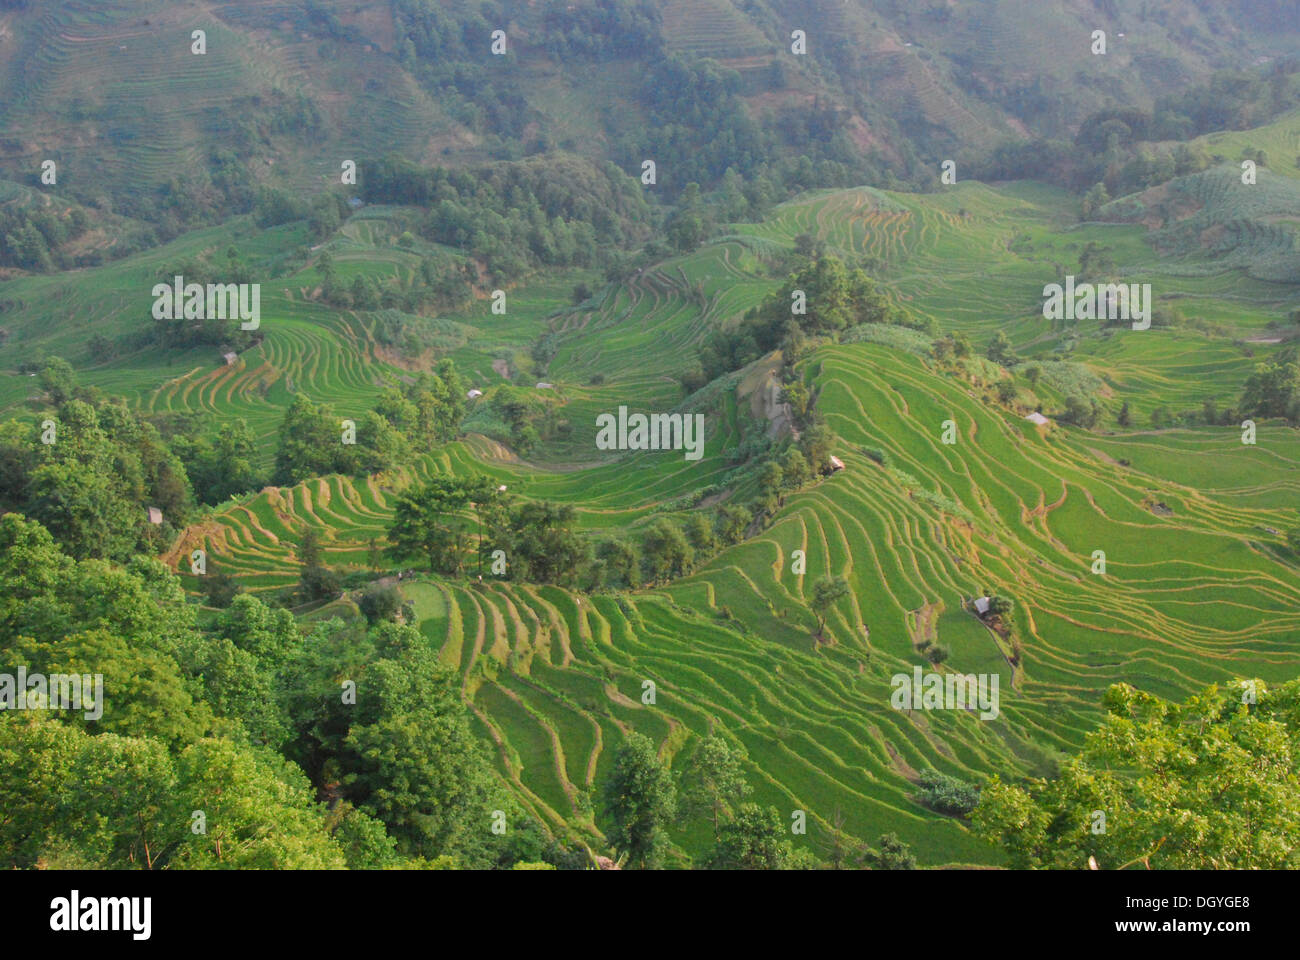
(945,794)
(380,603)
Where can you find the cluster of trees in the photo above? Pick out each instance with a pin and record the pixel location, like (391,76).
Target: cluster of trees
(193,331)
(668,548)
(442,282)
(33,237)
(89,469)
(701,130)
(219,459)
(454,526)
(1273,389)
(520,412)
(832,298)
(558,210)
(245,745)
(409,418)
(602,30)
(642,800)
(1207,784)
(1112,152)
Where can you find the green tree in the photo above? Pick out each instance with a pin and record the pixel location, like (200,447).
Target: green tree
(666,551)
(545,547)
(714,780)
(430,523)
(893,854)
(622,562)
(1000,350)
(640,800)
(754,840)
(826,593)
(732,520)
(1206,784)
(1273,390)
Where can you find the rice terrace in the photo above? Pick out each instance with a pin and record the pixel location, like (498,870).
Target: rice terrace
(749,510)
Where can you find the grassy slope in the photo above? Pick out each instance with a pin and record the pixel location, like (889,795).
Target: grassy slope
(556,677)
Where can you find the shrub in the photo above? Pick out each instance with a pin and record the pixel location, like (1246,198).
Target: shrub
(945,794)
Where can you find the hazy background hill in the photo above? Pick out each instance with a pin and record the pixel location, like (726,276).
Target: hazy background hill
(110,90)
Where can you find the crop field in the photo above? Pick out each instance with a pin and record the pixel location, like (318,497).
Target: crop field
(1198,585)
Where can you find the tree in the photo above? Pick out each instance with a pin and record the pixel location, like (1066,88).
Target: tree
(268,633)
(1081,411)
(700,533)
(1125,416)
(732,520)
(754,840)
(428,523)
(1094,200)
(1273,390)
(640,801)
(794,469)
(315,580)
(1206,784)
(544,546)
(310,443)
(258,809)
(665,551)
(893,854)
(380,602)
(1000,350)
(622,562)
(826,593)
(714,780)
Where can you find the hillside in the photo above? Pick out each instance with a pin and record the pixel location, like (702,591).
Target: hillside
(1193,592)
(400,480)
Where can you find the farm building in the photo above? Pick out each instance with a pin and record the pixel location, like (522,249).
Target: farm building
(982,605)
(155,515)
(543,385)
(1037,418)
(229,358)
(474,394)
(836,464)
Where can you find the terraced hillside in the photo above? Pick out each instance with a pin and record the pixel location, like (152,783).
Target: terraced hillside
(1198,587)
